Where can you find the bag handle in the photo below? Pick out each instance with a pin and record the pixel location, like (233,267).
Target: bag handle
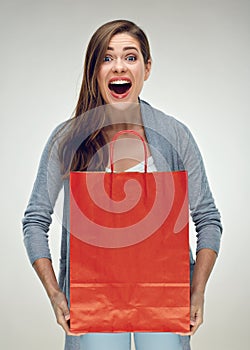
(115,137)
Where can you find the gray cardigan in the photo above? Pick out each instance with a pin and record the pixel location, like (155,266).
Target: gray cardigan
(172,147)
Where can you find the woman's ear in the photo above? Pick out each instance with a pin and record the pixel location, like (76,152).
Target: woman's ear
(147,69)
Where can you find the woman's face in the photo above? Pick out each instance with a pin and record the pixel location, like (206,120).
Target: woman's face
(122,74)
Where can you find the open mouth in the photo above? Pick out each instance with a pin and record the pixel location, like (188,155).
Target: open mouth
(120,87)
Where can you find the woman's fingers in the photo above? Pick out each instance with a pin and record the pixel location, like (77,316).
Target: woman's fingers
(61,310)
(196,312)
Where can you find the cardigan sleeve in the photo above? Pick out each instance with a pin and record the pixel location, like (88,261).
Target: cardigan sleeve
(204,212)
(38,214)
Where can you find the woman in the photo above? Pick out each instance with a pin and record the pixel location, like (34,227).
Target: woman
(117,63)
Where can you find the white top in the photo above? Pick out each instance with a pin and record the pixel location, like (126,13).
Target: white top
(140,167)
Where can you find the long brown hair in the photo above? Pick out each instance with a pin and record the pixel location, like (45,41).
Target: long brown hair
(78,148)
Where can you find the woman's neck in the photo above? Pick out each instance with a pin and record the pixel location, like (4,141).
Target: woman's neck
(123,116)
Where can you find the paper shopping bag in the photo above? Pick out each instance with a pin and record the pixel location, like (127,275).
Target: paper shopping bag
(129,252)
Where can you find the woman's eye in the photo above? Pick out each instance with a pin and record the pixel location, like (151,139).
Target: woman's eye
(107,59)
(131,58)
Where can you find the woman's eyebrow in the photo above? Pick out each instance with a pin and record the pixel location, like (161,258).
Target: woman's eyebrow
(130,48)
(126,48)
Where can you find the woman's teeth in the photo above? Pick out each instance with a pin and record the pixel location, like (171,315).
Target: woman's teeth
(118,82)
(120,86)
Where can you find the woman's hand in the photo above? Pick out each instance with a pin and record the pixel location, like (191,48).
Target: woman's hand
(204,264)
(61,310)
(203,267)
(58,300)
(196,311)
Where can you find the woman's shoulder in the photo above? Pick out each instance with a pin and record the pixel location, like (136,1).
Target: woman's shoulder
(159,121)
(60,129)
(58,133)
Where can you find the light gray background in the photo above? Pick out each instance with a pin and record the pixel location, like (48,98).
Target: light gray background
(200,75)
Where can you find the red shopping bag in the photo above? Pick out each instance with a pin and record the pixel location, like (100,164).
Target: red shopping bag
(129,251)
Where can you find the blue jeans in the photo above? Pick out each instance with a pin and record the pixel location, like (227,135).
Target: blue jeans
(122,341)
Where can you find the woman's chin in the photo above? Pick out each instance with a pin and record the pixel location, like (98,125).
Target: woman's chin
(122,106)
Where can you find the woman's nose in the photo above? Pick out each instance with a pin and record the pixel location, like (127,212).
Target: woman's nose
(119,66)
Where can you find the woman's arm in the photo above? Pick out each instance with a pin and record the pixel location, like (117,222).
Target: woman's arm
(205,261)
(45,271)
(36,223)
(206,218)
